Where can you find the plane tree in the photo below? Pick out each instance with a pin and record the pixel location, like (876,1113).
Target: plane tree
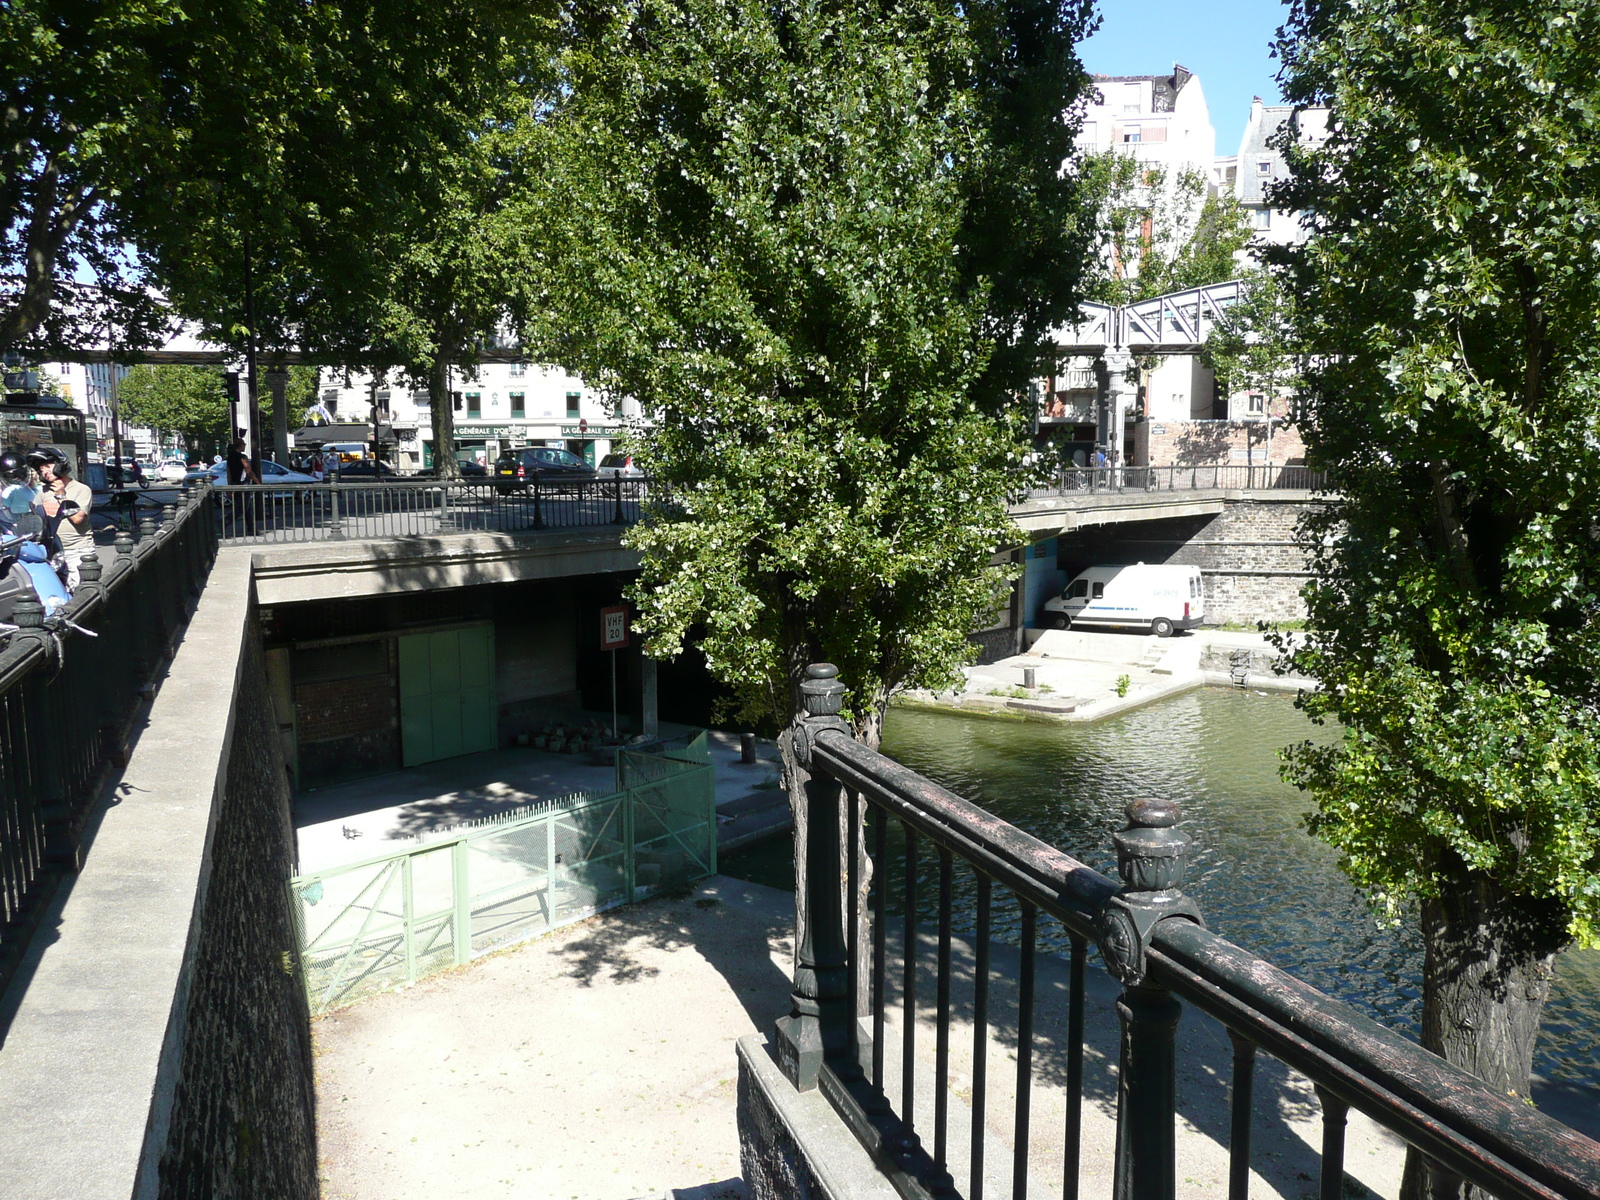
(1448,299)
(821,245)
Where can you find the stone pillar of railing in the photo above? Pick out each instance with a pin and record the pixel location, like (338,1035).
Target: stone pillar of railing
(1151,855)
(818,1024)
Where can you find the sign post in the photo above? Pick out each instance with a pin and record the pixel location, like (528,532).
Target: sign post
(614,637)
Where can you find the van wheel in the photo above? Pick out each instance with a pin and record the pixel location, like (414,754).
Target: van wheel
(1161,627)
(1059,621)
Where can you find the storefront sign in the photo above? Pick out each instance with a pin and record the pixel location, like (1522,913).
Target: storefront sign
(593,431)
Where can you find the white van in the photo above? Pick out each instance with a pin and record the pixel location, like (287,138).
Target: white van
(1159,599)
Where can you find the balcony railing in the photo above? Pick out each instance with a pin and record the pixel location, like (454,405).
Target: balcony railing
(1154,944)
(397,508)
(1071,481)
(68,702)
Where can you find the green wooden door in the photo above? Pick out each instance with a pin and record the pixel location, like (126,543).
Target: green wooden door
(447,702)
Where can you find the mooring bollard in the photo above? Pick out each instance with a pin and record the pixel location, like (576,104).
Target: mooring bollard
(1030,676)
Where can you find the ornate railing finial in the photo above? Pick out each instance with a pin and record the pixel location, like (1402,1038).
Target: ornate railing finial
(1151,858)
(821,692)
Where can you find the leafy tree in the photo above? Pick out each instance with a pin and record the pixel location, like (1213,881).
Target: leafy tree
(190,402)
(1156,232)
(822,245)
(1450,293)
(347,169)
(1254,346)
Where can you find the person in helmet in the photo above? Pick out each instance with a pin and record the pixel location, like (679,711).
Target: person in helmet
(17,493)
(64,504)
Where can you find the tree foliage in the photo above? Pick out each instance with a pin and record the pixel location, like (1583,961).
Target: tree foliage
(1450,293)
(821,245)
(188,401)
(1156,231)
(1255,346)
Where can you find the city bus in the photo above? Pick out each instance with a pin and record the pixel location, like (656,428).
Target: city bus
(29,421)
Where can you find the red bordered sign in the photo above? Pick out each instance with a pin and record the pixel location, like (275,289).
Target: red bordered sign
(614,628)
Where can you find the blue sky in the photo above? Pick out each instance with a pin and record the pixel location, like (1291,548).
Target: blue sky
(1225,42)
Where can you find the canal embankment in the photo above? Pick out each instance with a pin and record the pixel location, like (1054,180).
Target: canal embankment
(1074,675)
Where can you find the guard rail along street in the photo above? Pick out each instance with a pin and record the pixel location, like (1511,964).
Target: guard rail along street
(1155,944)
(419,507)
(68,702)
(1242,477)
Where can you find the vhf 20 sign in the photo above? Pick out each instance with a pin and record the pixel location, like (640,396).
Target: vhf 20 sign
(614,628)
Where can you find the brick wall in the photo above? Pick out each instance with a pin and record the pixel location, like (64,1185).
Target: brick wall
(1208,443)
(243,1118)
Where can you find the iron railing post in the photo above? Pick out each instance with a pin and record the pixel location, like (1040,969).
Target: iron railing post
(538,512)
(461,889)
(616,515)
(335,532)
(1150,858)
(818,1024)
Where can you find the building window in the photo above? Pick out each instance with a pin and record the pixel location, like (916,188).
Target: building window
(474,404)
(1264,168)
(572,403)
(1262,218)
(518,405)
(1130,135)
(1257,403)
(518,370)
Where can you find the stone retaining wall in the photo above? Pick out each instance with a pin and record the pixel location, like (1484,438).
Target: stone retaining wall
(243,1121)
(1252,568)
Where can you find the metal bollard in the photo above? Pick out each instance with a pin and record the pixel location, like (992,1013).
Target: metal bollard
(747,749)
(1030,676)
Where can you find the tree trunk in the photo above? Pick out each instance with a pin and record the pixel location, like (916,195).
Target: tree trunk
(1487,968)
(445,465)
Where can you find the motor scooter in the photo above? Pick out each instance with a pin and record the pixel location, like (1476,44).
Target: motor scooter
(26,571)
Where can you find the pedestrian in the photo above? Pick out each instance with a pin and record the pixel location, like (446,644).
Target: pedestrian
(318,468)
(237,503)
(64,503)
(17,493)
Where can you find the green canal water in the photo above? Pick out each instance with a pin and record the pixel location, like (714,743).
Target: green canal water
(1259,878)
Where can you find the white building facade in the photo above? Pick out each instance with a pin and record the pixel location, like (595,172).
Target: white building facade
(498,406)
(1259,164)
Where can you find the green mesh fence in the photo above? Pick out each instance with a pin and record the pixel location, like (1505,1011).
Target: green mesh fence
(385,922)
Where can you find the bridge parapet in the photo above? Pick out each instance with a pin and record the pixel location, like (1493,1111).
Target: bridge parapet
(1154,943)
(69,701)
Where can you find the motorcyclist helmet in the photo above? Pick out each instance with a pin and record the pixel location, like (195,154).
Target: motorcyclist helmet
(13,467)
(42,456)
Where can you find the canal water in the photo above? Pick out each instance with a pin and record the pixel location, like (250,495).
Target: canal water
(1259,878)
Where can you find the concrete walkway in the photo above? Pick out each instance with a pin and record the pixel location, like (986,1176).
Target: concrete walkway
(368,817)
(1079,674)
(597,1063)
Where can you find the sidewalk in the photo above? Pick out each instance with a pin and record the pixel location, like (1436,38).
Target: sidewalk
(1079,675)
(598,1063)
(367,817)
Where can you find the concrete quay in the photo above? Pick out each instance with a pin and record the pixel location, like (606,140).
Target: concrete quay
(598,1062)
(1078,673)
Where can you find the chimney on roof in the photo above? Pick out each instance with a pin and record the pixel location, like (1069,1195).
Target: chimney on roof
(1180,76)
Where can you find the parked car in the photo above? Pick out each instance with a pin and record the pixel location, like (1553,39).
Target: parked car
(171,470)
(355,472)
(618,466)
(271,472)
(515,469)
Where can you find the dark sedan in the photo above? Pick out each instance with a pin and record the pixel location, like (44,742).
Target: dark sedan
(548,465)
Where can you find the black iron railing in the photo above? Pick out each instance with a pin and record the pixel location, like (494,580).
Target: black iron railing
(68,701)
(1071,481)
(395,508)
(1152,941)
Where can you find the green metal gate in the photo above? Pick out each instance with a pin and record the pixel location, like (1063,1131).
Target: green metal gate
(369,926)
(447,701)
